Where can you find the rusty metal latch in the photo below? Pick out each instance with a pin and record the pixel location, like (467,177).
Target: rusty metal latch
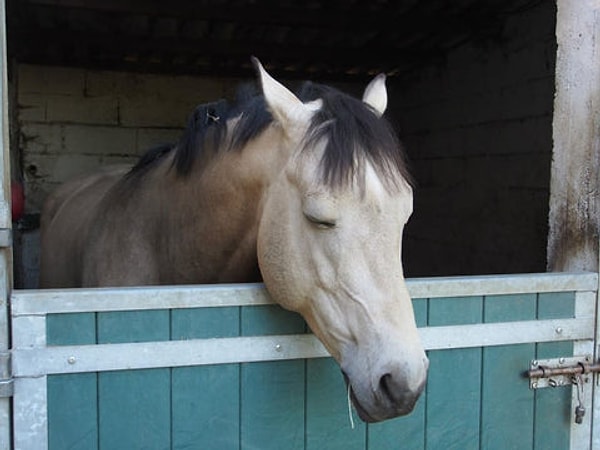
(561,371)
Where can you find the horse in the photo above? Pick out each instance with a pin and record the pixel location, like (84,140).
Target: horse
(308,192)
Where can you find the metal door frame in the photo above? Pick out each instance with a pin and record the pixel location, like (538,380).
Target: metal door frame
(33,360)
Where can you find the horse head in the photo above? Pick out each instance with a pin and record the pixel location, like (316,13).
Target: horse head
(330,237)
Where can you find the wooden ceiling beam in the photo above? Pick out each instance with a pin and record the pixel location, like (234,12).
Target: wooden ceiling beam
(340,17)
(285,53)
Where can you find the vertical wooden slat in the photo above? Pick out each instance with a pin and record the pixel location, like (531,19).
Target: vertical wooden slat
(327,416)
(134,406)
(272,393)
(72,399)
(206,400)
(553,406)
(454,384)
(507,401)
(407,431)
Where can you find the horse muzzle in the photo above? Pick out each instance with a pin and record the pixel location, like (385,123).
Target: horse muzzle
(391,394)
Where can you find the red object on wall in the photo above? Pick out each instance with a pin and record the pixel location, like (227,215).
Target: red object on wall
(17,194)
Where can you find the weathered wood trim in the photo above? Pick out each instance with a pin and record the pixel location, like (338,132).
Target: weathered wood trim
(574,220)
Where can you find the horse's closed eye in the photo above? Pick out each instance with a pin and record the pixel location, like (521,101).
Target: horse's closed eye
(320,223)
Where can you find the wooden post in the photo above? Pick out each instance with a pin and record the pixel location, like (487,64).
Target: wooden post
(575,178)
(574,220)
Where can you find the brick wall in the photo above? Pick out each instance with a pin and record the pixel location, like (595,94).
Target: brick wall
(479,132)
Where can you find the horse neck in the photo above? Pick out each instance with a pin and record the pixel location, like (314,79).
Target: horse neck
(224,201)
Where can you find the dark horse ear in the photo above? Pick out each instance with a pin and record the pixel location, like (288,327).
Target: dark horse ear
(375,94)
(287,109)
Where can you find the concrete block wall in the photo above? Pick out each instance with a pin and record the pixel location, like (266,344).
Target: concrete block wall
(478,129)
(72,121)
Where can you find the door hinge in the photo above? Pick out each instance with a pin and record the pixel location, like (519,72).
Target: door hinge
(559,372)
(6,381)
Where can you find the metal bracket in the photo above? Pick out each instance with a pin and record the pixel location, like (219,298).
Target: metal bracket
(6,382)
(561,371)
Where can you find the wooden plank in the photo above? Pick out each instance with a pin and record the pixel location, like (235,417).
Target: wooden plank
(328,424)
(398,433)
(73,411)
(553,413)
(206,407)
(72,399)
(507,401)
(134,409)
(71,329)
(206,400)
(134,406)
(272,393)
(454,384)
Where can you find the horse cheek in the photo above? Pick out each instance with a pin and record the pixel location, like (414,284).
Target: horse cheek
(275,269)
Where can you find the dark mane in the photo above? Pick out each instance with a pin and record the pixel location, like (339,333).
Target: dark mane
(353,131)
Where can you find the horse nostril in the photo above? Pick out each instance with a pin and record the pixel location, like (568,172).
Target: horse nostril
(384,384)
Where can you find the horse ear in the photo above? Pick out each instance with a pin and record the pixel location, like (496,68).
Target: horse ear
(283,104)
(376,94)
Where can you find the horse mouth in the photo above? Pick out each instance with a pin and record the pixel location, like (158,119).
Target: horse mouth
(362,412)
(382,411)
